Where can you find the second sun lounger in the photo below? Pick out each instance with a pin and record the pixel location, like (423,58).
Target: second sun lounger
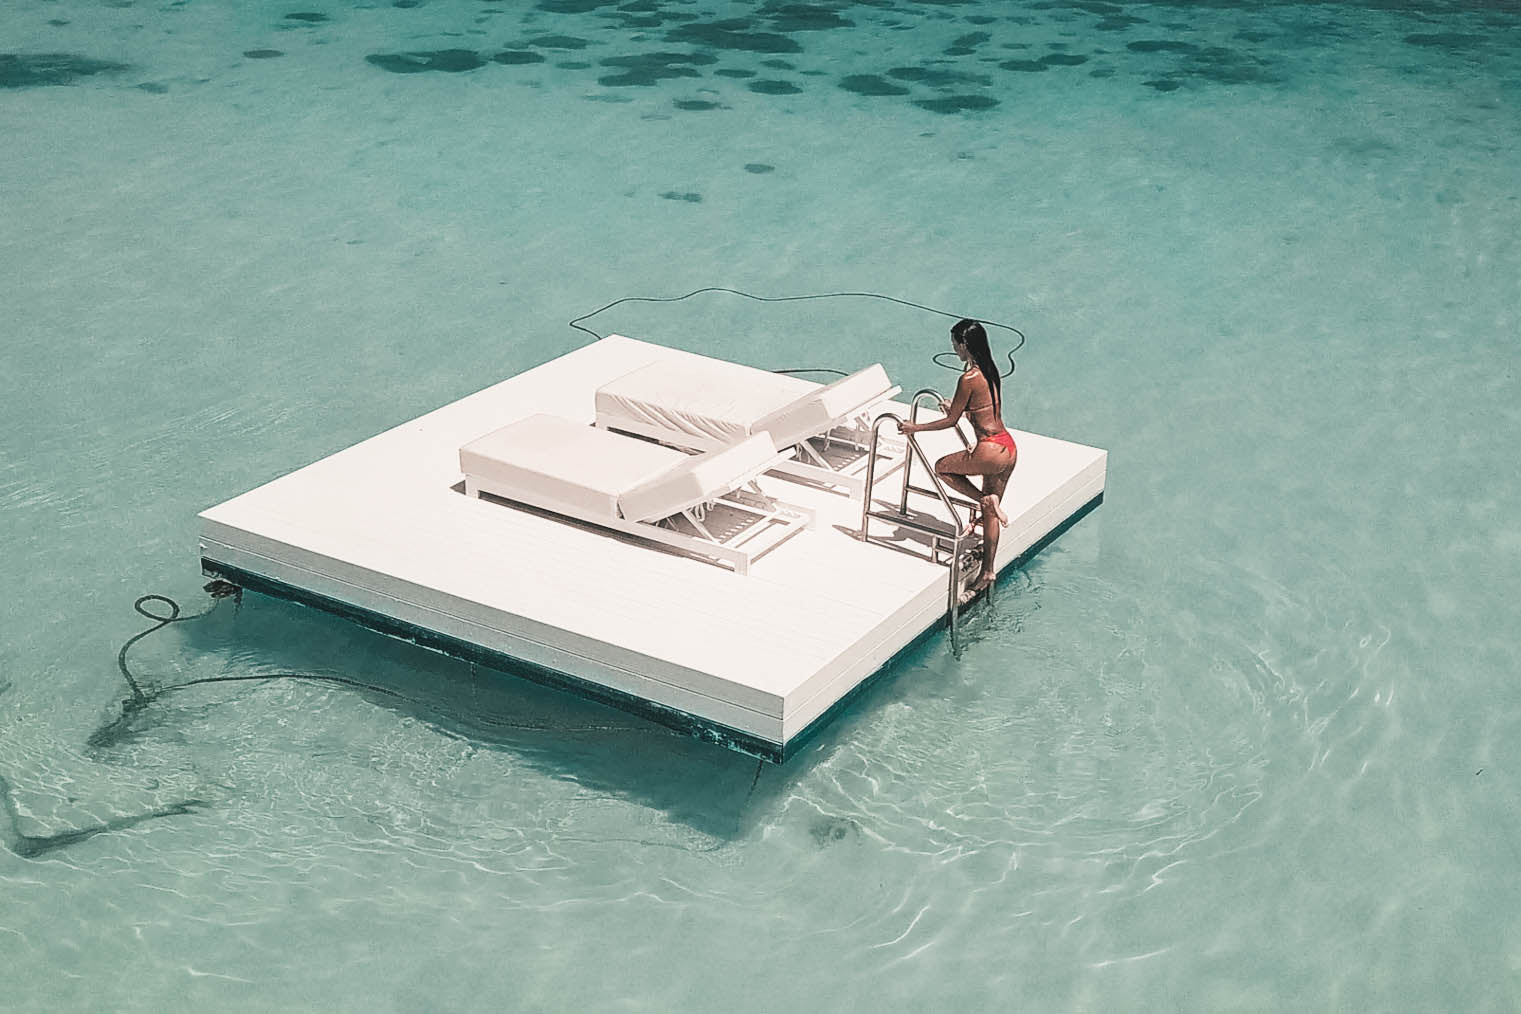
(702,403)
(701,504)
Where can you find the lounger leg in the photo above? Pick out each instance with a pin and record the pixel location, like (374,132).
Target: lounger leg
(691,519)
(807,449)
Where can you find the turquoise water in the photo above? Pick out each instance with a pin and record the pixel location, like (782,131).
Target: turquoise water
(1246,738)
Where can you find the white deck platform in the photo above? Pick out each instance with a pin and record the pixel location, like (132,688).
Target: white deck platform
(382,533)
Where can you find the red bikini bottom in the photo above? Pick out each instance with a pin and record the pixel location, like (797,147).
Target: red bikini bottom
(1001,439)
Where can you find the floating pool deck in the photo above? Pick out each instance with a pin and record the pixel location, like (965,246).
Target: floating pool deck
(383,534)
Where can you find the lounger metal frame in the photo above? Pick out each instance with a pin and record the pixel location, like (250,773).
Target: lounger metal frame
(775,522)
(858,437)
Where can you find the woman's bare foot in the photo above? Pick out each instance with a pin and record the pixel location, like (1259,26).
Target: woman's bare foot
(990,503)
(976,588)
(974,517)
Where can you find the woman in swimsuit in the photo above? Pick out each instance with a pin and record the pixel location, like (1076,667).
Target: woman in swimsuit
(979,397)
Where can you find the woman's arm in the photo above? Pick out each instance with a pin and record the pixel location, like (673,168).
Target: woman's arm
(953,411)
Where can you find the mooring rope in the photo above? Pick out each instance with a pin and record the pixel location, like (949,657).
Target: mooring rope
(576,322)
(143,696)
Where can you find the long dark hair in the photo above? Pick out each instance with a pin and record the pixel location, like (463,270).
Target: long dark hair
(971,334)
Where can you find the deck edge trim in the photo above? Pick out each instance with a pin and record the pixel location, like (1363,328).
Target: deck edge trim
(796,742)
(675,719)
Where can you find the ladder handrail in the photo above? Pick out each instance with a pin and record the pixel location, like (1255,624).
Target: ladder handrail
(953,595)
(913,411)
(913,417)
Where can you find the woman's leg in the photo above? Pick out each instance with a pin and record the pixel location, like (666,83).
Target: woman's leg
(993,520)
(953,470)
(987,460)
(995,464)
(993,487)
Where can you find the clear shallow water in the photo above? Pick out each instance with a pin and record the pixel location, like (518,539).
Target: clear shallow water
(1243,739)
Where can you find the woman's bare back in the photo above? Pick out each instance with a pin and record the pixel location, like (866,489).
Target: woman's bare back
(980,406)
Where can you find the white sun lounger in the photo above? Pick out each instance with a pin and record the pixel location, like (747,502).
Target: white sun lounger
(702,403)
(697,503)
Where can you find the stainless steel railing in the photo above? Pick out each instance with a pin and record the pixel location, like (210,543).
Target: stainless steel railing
(901,516)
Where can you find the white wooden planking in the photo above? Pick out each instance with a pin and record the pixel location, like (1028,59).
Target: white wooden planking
(381,528)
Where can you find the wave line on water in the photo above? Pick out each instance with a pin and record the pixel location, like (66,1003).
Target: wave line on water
(914,922)
(1130,959)
(198,974)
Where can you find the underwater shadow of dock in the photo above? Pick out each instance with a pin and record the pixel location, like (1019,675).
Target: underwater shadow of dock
(717,792)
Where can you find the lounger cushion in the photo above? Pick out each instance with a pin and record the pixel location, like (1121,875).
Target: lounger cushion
(701,477)
(712,401)
(817,410)
(565,466)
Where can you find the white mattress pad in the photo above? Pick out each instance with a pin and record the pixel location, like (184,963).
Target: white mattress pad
(574,469)
(568,467)
(706,398)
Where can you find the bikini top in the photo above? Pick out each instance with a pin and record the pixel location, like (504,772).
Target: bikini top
(979,406)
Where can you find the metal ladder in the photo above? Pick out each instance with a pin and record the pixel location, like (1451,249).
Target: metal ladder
(901,517)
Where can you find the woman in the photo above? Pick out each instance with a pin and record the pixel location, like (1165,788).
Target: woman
(979,397)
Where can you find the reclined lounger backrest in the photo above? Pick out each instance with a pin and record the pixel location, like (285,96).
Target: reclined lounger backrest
(713,401)
(698,479)
(815,412)
(587,473)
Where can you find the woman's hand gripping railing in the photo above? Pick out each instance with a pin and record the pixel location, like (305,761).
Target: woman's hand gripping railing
(936,534)
(941,404)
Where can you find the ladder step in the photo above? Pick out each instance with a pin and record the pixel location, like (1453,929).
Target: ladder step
(939,528)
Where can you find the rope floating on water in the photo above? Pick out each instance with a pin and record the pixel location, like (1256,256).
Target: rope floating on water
(143,696)
(576,322)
